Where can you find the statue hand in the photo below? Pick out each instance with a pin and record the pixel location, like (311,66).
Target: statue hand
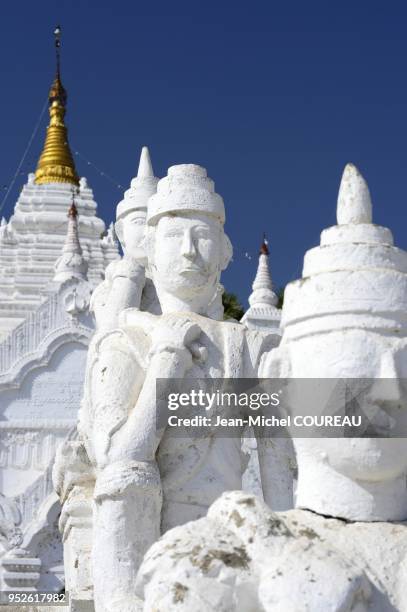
(173,347)
(176,334)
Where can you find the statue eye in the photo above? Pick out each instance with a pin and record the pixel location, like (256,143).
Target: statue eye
(202,232)
(173,234)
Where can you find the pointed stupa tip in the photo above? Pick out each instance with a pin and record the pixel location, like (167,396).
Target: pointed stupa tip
(264,248)
(73,211)
(354,202)
(145,168)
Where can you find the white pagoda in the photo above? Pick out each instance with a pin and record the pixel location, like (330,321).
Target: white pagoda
(53,253)
(33,238)
(263,312)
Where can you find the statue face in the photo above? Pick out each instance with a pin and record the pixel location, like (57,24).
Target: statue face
(130,230)
(188,255)
(357,354)
(351,353)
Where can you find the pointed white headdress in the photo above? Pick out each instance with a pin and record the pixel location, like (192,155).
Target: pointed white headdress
(356,278)
(142,187)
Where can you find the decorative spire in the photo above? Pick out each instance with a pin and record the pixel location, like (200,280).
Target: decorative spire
(262,286)
(6,234)
(56,163)
(145,167)
(264,248)
(354,202)
(3,230)
(263,312)
(71,264)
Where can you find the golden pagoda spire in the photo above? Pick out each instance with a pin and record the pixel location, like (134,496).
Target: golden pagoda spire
(56,163)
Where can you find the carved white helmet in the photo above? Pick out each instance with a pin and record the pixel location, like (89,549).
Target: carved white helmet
(356,278)
(187,188)
(142,187)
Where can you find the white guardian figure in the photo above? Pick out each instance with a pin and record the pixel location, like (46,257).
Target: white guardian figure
(344,547)
(126,285)
(147,480)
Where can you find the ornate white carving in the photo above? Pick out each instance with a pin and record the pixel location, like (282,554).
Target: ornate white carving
(32,241)
(32,357)
(34,341)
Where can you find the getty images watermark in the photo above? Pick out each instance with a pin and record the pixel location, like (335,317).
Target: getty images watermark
(282,407)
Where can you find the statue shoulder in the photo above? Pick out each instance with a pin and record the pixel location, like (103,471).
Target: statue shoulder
(101,292)
(260,343)
(127,267)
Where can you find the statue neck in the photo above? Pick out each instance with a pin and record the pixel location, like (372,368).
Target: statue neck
(326,491)
(205,304)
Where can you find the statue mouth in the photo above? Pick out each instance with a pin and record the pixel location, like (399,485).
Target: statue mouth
(192,270)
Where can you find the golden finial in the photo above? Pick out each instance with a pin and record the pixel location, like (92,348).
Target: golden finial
(56,163)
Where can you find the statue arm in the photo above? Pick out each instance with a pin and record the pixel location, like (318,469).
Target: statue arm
(120,412)
(122,289)
(276,455)
(277,468)
(128,495)
(125,293)
(140,436)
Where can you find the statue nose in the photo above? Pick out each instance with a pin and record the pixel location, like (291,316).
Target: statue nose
(387,388)
(188,248)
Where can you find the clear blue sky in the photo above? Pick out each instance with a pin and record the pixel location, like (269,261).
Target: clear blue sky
(273,98)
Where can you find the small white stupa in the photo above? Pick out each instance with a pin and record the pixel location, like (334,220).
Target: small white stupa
(263,312)
(71,264)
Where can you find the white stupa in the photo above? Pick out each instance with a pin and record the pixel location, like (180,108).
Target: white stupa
(32,240)
(263,312)
(52,255)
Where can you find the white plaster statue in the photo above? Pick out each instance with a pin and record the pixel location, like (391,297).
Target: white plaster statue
(147,481)
(344,547)
(74,481)
(125,283)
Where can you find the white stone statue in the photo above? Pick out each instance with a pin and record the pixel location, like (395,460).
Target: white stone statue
(344,547)
(148,481)
(125,283)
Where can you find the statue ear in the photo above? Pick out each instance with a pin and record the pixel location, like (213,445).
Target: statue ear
(276,363)
(227,252)
(147,243)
